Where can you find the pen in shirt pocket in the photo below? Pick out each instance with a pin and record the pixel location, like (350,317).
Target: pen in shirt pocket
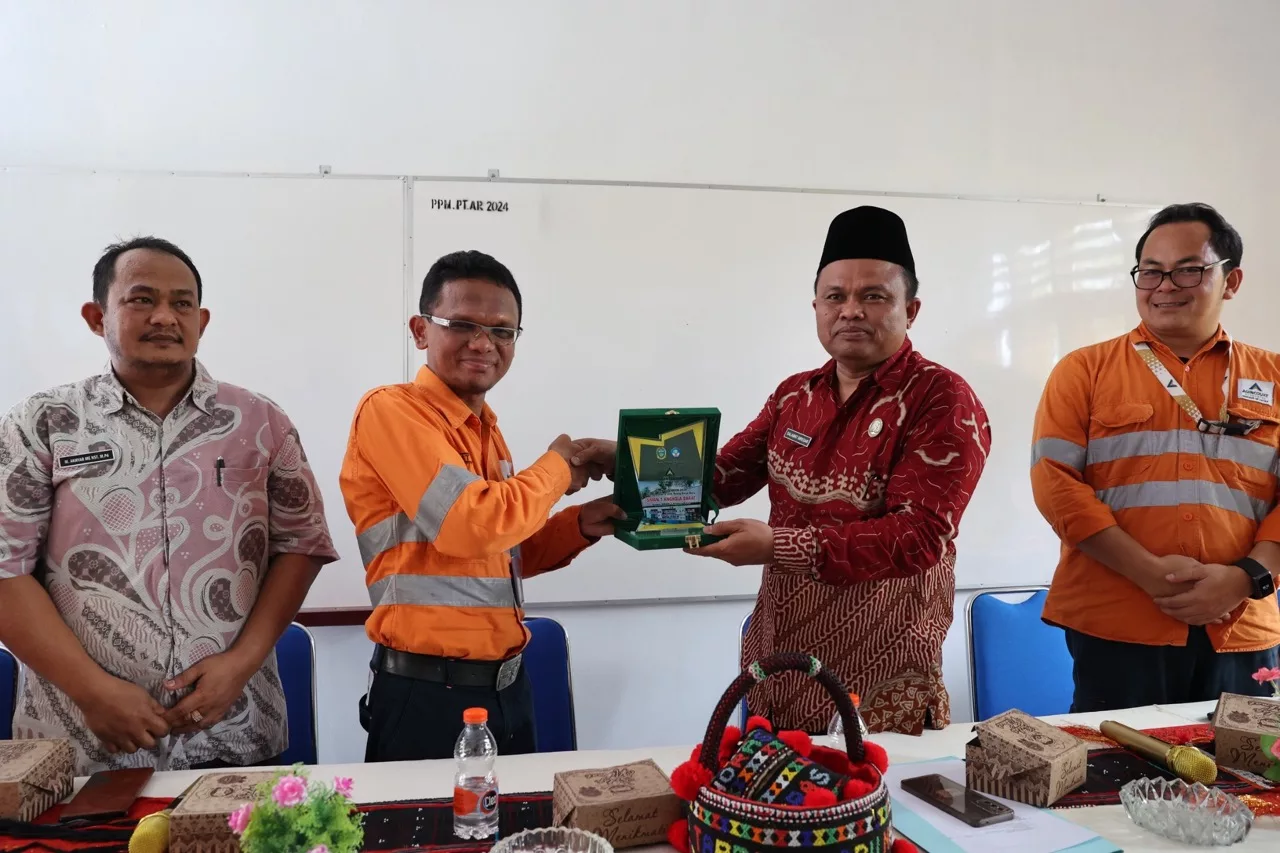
(217,468)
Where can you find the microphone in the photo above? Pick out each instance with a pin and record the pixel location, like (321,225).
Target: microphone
(1188,762)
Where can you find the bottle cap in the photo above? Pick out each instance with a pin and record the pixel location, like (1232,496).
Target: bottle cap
(475,716)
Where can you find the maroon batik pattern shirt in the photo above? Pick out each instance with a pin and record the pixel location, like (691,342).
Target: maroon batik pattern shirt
(866,503)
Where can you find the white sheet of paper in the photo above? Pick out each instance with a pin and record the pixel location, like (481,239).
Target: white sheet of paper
(1032,830)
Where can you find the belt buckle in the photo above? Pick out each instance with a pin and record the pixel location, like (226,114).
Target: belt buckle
(508,671)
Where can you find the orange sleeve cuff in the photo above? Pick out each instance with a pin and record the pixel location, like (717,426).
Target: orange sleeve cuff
(1269,529)
(555,545)
(557,468)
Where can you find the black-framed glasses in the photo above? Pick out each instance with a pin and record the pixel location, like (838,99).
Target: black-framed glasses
(1146,278)
(503,336)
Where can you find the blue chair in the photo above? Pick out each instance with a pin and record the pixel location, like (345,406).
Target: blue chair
(743,713)
(296,659)
(1015,659)
(546,660)
(8,692)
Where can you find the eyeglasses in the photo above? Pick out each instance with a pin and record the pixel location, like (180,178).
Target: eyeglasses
(503,336)
(1150,279)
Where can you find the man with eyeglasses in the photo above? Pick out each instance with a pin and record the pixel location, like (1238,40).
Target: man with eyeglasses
(448,529)
(1154,459)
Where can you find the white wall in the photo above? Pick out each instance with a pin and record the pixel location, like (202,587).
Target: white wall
(1151,100)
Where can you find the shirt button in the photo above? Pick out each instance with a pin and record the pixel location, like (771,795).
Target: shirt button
(1186,516)
(1188,466)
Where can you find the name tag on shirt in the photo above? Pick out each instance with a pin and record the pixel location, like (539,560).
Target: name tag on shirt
(1256,391)
(79,460)
(798,437)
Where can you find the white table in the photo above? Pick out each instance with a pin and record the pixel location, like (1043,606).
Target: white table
(529,773)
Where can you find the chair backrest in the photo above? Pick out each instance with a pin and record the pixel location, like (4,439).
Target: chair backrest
(546,660)
(8,692)
(1015,659)
(296,659)
(743,713)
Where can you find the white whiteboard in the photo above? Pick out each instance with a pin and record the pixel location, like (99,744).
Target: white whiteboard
(303,279)
(1008,288)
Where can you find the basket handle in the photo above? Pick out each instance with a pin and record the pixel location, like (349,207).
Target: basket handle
(759,671)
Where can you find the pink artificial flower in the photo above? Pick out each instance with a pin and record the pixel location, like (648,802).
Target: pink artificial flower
(290,791)
(319,848)
(343,785)
(238,820)
(1266,674)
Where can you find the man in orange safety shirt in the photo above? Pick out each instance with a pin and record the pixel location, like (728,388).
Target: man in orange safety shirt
(448,529)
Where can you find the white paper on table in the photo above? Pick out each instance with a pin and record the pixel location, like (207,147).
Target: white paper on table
(1032,830)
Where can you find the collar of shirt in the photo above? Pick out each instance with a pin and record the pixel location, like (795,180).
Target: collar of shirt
(1143,335)
(448,403)
(888,376)
(203,391)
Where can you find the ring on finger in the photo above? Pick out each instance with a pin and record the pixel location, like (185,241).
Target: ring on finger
(197,717)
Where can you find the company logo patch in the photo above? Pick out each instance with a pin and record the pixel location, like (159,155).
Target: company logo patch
(798,437)
(79,460)
(1256,391)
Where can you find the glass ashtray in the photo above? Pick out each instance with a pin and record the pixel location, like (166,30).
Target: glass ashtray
(1192,814)
(553,839)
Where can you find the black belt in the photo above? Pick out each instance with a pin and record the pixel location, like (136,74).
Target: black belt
(497,675)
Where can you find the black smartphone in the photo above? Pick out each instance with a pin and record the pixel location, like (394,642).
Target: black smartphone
(957,800)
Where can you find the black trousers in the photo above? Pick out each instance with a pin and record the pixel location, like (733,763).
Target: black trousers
(412,720)
(1110,675)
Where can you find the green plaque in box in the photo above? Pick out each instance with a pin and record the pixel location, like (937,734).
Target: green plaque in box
(663,477)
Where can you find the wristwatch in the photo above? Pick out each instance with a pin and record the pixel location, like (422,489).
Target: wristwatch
(1264,585)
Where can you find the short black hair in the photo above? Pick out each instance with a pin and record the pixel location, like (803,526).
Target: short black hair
(909,279)
(104,271)
(468,264)
(1224,239)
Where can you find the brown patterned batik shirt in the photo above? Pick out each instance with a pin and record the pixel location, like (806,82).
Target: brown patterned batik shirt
(152,562)
(866,498)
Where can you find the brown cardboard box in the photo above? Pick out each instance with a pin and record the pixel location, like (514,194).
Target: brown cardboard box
(1020,758)
(628,805)
(1240,725)
(34,775)
(199,823)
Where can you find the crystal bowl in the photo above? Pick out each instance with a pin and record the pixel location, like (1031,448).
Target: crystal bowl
(1192,814)
(553,839)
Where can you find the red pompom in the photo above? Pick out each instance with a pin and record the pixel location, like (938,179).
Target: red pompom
(729,742)
(902,845)
(876,755)
(759,723)
(678,836)
(855,789)
(819,798)
(799,741)
(832,759)
(688,779)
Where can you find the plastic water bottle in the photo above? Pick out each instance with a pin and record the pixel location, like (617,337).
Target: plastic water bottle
(835,731)
(475,788)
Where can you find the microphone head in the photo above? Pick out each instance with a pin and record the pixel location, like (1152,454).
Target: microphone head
(151,834)
(1191,764)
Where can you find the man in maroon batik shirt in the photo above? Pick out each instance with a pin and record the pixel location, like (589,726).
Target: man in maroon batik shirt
(870,461)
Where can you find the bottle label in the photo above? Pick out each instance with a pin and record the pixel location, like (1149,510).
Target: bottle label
(467,802)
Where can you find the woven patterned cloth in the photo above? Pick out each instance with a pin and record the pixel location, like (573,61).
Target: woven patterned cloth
(389,827)
(1111,766)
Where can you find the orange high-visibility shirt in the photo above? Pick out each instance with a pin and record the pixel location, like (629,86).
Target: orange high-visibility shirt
(1111,446)
(446,529)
